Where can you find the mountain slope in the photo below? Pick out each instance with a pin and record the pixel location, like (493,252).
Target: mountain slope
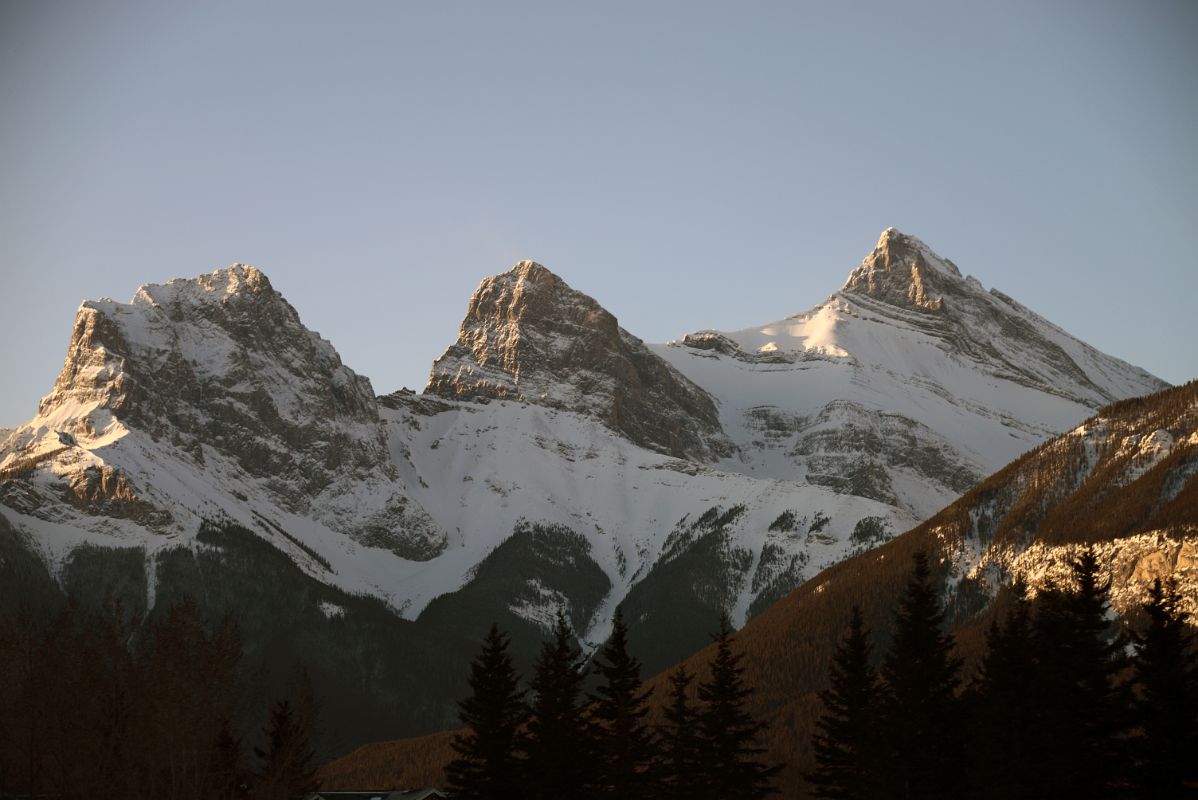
(528,336)
(209,398)
(1124,482)
(542,469)
(907,385)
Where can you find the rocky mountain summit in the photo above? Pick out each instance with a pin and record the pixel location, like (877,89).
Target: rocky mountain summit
(528,336)
(907,385)
(988,329)
(200,435)
(904,272)
(217,374)
(209,398)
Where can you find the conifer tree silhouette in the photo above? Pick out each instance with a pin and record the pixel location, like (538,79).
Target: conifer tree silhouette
(679,766)
(624,742)
(1081,702)
(1003,707)
(921,721)
(731,763)
(229,780)
(1165,704)
(487,766)
(560,744)
(845,739)
(287,769)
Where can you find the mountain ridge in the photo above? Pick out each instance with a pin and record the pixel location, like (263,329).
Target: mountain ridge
(1123,482)
(557,463)
(528,336)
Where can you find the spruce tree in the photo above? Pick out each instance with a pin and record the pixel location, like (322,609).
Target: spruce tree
(1165,705)
(227,768)
(624,743)
(921,720)
(1003,708)
(1081,703)
(679,764)
(845,738)
(559,746)
(731,763)
(287,769)
(487,767)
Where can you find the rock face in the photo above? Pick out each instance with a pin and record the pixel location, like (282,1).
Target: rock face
(556,462)
(528,336)
(222,360)
(1124,483)
(221,366)
(907,386)
(903,271)
(988,329)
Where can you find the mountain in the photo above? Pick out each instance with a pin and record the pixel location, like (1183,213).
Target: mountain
(1124,482)
(528,336)
(205,397)
(907,386)
(555,461)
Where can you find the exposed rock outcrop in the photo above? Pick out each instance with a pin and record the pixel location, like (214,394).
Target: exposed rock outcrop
(528,336)
(903,271)
(222,365)
(109,492)
(986,328)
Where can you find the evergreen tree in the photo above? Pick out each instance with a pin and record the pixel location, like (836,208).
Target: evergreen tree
(624,743)
(559,745)
(845,742)
(229,780)
(1165,705)
(487,767)
(921,720)
(1004,708)
(287,770)
(679,763)
(1082,706)
(731,762)
(188,691)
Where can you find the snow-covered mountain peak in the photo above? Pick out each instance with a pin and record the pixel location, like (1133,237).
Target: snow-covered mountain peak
(216,286)
(529,336)
(221,368)
(905,272)
(187,332)
(556,461)
(908,357)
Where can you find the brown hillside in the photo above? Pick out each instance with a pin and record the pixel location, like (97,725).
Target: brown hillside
(1124,482)
(400,764)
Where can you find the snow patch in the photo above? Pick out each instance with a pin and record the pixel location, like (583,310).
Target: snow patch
(331,610)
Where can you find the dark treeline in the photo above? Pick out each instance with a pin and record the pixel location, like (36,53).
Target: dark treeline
(99,705)
(1065,702)
(555,740)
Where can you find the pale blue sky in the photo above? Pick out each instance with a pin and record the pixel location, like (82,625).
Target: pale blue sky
(688,164)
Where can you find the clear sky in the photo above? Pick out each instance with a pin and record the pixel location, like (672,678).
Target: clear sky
(688,164)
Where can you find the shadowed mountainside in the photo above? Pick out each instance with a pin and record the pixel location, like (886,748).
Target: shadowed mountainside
(1122,482)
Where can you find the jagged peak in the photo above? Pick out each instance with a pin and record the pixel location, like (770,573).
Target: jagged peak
(235,280)
(528,269)
(894,246)
(529,336)
(530,292)
(523,276)
(904,271)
